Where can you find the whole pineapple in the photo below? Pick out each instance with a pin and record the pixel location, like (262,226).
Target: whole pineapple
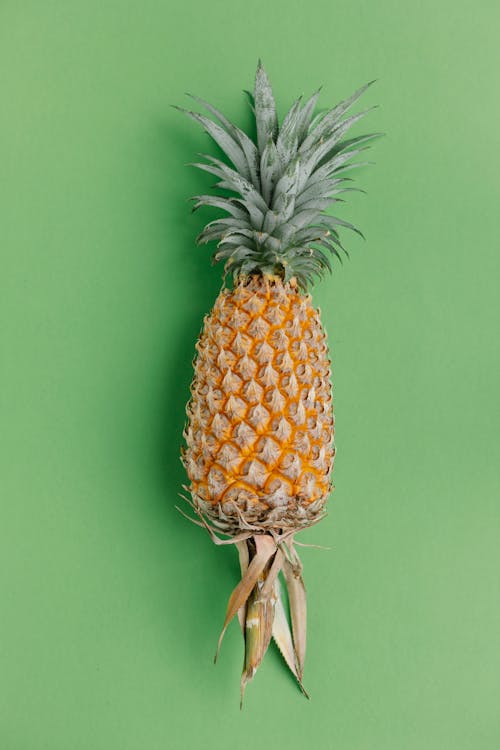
(259,435)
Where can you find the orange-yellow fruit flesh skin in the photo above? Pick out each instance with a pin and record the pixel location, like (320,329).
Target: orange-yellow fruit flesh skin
(260,422)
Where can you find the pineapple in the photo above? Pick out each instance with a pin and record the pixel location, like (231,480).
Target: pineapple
(259,434)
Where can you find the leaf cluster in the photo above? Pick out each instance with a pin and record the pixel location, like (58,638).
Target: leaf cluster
(275,192)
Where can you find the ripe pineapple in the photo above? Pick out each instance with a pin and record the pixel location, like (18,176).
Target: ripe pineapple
(259,434)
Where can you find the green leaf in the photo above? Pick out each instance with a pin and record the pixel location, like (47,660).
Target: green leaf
(272,244)
(317,119)
(286,232)
(332,117)
(329,167)
(290,121)
(356,141)
(227,124)
(331,247)
(309,234)
(238,238)
(333,221)
(269,169)
(208,235)
(287,140)
(304,217)
(354,165)
(320,190)
(232,180)
(306,115)
(320,149)
(314,157)
(228,145)
(236,254)
(228,223)
(317,204)
(286,190)
(334,239)
(248,146)
(250,99)
(256,215)
(247,268)
(270,221)
(321,258)
(265,108)
(227,204)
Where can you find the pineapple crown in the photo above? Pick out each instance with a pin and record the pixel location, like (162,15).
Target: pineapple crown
(280,187)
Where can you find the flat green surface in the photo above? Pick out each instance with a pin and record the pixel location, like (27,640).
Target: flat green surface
(110,602)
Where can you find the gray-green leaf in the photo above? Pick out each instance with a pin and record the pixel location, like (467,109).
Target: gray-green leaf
(265,108)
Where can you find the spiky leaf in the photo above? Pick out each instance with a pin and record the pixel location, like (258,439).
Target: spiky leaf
(269,169)
(286,191)
(281,187)
(239,136)
(305,116)
(265,108)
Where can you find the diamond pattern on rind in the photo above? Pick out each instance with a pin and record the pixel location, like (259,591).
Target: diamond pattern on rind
(217,482)
(254,304)
(220,426)
(283,362)
(258,416)
(244,435)
(246,367)
(260,399)
(269,450)
(253,392)
(223,336)
(275,400)
(240,319)
(279,340)
(290,465)
(283,429)
(214,399)
(231,382)
(255,473)
(268,375)
(274,316)
(263,352)
(235,407)
(229,457)
(258,328)
(241,343)
(290,385)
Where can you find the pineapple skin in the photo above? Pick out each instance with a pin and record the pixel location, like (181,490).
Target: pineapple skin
(260,424)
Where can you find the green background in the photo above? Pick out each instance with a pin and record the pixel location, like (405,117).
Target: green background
(111,603)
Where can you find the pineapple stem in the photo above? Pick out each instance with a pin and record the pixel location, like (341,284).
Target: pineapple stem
(262,615)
